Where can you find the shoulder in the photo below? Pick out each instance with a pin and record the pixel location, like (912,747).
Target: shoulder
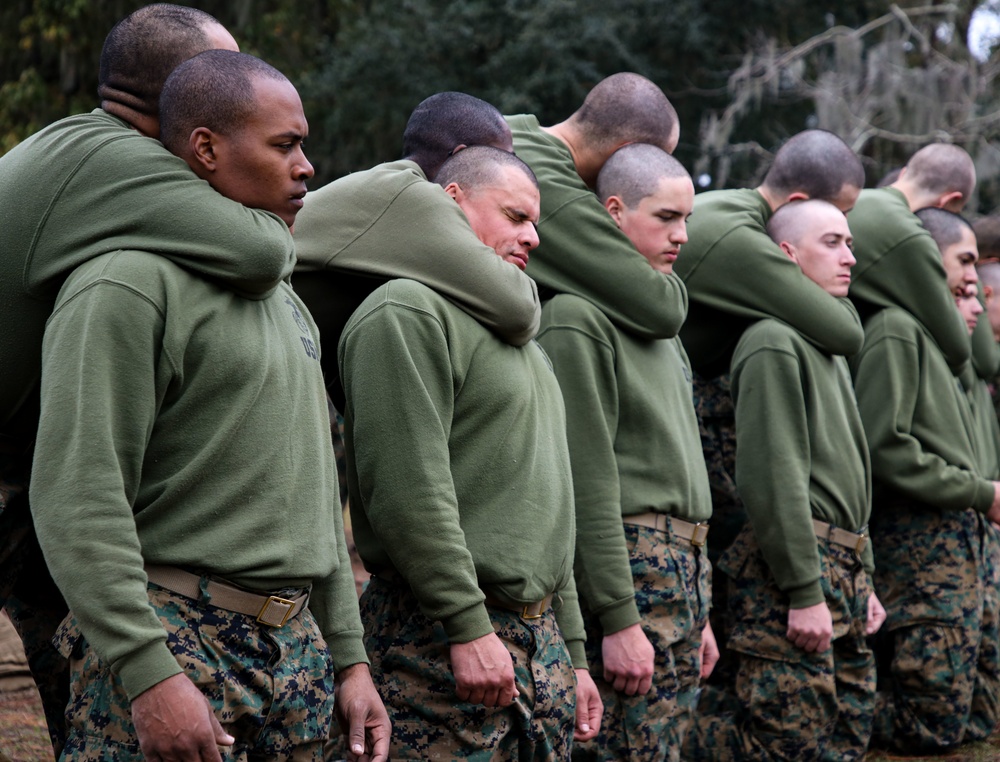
(768,335)
(569,312)
(404,295)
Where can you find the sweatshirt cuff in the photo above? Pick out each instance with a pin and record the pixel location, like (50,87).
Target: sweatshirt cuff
(142,669)
(346,648)
(577,653)
(619,615)
(984,496)
(468,625)
(808,595)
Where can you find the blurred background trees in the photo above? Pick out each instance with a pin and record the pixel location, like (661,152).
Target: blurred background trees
(743,74)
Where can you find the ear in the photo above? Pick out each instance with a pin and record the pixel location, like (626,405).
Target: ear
(945,200)
(202,145)
(786,247)
(457,148)
(987,293)
(615,207)
(455,191)
(797,196)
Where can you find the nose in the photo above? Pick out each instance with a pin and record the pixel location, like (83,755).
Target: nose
(679,234)
(529,236)
(303,170)
(849,259)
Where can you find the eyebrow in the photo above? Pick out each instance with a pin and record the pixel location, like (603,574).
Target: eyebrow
(519,213)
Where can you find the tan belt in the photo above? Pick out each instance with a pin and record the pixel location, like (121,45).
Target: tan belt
(696,534)
(527,611)
(270,610)
(854,540)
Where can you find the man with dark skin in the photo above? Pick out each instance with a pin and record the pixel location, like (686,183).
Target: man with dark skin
(105,185)
(265,683)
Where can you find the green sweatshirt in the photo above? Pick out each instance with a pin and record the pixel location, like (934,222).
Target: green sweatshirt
(389,222)
(800,452)
(633,439)
(985,359)
(582,251)
(458,465)
(735,273)
(184,425)
(89,184)
(917,420)
(899,265)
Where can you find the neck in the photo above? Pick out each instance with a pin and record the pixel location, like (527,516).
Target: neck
(587,164)
(772,199)
(142,123)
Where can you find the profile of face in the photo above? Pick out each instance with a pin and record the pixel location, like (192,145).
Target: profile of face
(261,164)
(968,306)
(823,249)
(959,260)
(992,299)
(503,215)
(847,198)
(657,225)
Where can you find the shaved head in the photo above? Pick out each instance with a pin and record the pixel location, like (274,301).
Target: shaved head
(215,89)
(795,219)
(816,163)
(478,167)
(626,108)
(143,49)
(987,231)
(444,121)
(942,168)
(946,228)
(634,172)
(989,275)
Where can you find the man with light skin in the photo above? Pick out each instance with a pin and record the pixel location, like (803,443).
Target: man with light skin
(244,632)
(930,490)
(462,508)
(800,591)
(639,478)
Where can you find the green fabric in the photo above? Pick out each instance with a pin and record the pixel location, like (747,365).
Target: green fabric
(985,351)
(916,418)
(899,265)
(89,184)
(389,222)
(800,452)
(985,362)
(735,273)
(582,251)
(634,443)
(459,469)
(184,425)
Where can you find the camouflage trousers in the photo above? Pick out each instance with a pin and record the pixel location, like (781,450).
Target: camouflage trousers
(672,591)
(717,425)
(270,688)
(411,669)
(27,592)
(931,577)
(792,705)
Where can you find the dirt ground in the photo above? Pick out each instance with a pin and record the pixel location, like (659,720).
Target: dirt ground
(23,737)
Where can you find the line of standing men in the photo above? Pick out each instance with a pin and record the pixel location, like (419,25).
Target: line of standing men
(184,492)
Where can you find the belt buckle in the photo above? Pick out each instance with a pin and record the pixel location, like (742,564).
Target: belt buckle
(859,546)
(700,534)
(525,611)
(275,611)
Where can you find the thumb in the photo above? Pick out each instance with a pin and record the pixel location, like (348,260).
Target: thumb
(356,736)
(222,738)
(583,716)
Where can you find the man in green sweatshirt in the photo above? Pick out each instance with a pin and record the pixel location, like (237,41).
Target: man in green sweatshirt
(801,599)
(108,185)
(734,274)
(639,480)
(183,488)
(462,507)
(390,222)
(928,490)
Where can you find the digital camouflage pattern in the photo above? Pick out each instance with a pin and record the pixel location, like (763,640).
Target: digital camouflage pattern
(713,403)
(270,688)
(672,591)
(793,705)
(411,668)
(27,591)
(930,577)
(985,712)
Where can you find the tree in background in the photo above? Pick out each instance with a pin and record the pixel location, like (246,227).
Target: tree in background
(743,74)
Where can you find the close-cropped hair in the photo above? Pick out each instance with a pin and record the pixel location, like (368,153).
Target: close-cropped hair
(634,172)
(142,50)
(446,120)
(478,167)
(215,89)
(945,227)
(942,168)
(817,163)
(987,230)
(626,108)
(793,220)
